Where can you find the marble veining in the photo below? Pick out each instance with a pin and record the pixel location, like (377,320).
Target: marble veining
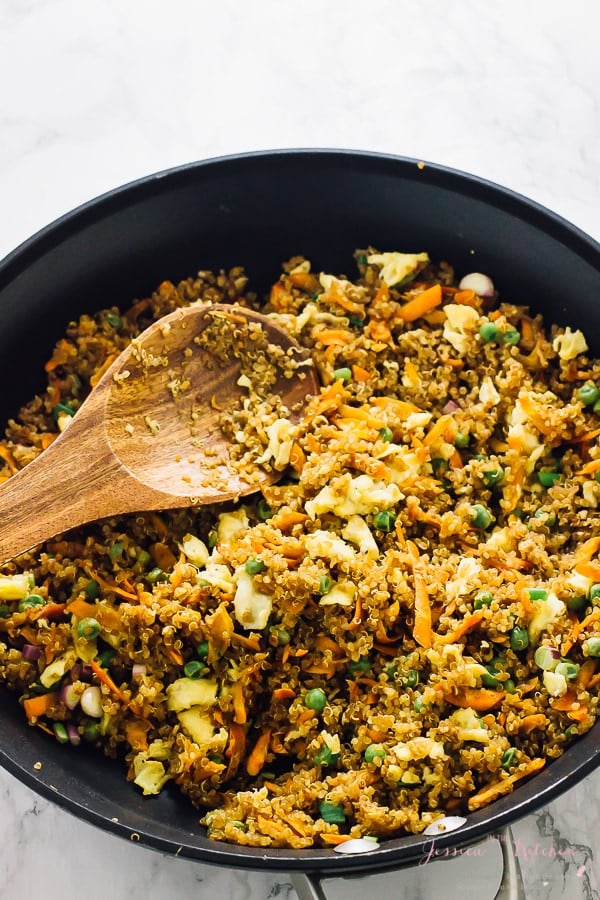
(95,94)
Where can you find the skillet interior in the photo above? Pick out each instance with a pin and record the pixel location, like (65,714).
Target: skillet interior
(258,210)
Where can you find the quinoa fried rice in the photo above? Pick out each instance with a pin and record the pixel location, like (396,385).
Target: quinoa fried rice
(401,629)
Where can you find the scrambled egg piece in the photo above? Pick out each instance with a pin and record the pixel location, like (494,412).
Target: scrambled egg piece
(252,608)
(342,594)
(460,320)
(325,545)
(570,344)
(346,496)
(546,611)
(462,581)
(470,727)
(395,267)
(195,550)
(281,434)
(358,532)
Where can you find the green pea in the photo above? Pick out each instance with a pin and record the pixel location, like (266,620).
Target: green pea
(493,476)
(143,558)
(113,320)
(344,374)
(254,566)
(488,680)
(361,665)
(548,477)
(419,705)
(544,517)
(212,539)
(462,439)
(509,686)
(324,757)
(567,669)
(384,520)
(519,638)
(509,758)
(537,593)
(316,699)
(391,672)
(332,813)
(5,611)
(92,589)
(488,332)
(439,466)
(325,584)
(386,434)
(88,628)
(361,259)
(264,510)
(511,337)
(480,516)
(30,601)
(91,731)
(281,636)
(60,733)
(588,394)
(481,599)
(194,668)
(107,657)
(202,649)
(373,752)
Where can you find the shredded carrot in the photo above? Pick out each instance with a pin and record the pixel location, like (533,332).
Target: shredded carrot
(499,788)
(239,707)
(585,436)
(578,714)
(304,716)
(333,337)
(174,655)
(312,443)
(283,693)
(305,280)
(103,676)
(50,611)
(235,749)
(360,374)
(47,439)
(421,304)
(468,624)
(422,630)
(286,518)
(39,706)
(565,702)
(586,673)
(136,733)
(63,352)
(480,699)
(8,459)
(110,585)
(379,331)
(163,556)
(529,723)
(297,457)
(465,298)
(324,642)
(103,368)
(437,431)
(590,468)
(81,608)
(357,618)
(589,570)
(335,839)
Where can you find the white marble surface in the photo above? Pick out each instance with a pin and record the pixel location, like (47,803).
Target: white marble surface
(98,93)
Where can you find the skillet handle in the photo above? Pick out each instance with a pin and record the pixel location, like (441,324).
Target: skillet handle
(309,886)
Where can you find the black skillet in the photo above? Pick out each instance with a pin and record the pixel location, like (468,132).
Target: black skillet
(258,210)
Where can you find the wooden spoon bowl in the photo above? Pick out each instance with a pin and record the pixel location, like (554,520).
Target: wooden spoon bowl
(149,436)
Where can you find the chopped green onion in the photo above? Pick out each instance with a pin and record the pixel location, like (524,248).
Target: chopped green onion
(143,557)
(577,604)
(194,668)
(156,575)
(488,332)
(493,476)
(88,628)
(212,539)
(439,466)
(30,601)
(591,647)
(588,394)
(60,732)
(202,649)
(344,374)
(106,657)
(567,669)
(489,680)
(373,752)
(325,584)
(361,665)
(332,813)
(316,699)
(509,758)
(91,731)
(264,510)
(462,439)
(5,611)
(113,320)
(479,516)
(384,520)
(254,566)
(281,636)
(548,477)
(386,434)
(509,686)
(419,705)
(324,757)
(537,593)
(547,658)
(594,592)
(62,409)
(391,672)
(411,678)
(92,589)
(511,337)
(116,551)
(519,638)
(481,599)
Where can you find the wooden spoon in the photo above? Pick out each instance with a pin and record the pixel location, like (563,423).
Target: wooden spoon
(148,436)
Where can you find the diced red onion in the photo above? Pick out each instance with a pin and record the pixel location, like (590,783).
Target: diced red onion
(30,652)
(138,671)
(481,284)
(81,672)
(450,407)
(547,657)
(74,736)
(69,695)
(91,702)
